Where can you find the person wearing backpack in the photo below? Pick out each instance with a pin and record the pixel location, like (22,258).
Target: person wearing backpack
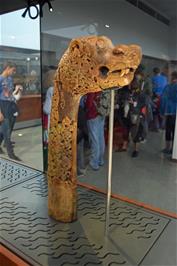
(97,108)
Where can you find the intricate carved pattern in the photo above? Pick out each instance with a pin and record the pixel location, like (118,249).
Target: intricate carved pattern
(62,139)
(90,64)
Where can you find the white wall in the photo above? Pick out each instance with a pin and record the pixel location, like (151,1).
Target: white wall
(128,24)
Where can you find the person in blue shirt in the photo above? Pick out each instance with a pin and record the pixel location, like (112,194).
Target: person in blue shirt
(8,108)
(159,82)
(168,108)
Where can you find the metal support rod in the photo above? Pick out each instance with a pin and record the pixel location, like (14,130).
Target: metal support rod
(110,144)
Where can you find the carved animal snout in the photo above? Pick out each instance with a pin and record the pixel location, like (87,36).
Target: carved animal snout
(127,50)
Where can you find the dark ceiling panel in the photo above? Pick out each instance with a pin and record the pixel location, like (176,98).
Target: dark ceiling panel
(9,5)
(167,8)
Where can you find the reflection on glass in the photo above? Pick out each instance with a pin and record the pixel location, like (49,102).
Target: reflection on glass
(21,47)
(139,177)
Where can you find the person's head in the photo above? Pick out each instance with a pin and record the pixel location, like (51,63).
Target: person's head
(141,68)
(9,68)
(156,70)
(174,76)
(139,73)
(33,76)
(48,80)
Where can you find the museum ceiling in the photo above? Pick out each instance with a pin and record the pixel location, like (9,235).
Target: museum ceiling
(166,7)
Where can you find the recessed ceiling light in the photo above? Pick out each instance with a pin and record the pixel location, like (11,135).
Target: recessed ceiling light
(20,134)
(107,26)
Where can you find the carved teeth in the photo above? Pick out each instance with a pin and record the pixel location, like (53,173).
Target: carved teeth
(122,72)
(127,71)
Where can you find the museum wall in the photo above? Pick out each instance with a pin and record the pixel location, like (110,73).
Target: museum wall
(126,24)
(173,39)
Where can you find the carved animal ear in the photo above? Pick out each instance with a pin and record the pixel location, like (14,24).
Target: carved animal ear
(76,45)
(100,44)
(103,44)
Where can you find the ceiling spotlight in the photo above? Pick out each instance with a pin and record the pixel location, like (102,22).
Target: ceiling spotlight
(50,6)
(107,26)
(42,4)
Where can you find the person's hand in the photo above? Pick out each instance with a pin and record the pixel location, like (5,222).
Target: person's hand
(18,88)
(130,101)
(17,93)
(135,104)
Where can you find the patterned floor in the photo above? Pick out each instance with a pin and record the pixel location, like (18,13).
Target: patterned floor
(12,173)
(28,231)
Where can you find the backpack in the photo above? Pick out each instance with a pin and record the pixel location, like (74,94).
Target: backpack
(103,103)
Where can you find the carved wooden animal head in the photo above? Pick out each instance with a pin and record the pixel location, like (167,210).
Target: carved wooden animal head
(93,63)
(90,64)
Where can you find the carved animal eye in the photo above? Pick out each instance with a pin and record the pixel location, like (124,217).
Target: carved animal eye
(104,71)
(77,46)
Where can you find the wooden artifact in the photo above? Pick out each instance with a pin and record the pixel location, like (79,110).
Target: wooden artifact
(90,64)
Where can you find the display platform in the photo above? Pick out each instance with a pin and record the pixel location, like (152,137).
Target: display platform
(12,173)
(28,231)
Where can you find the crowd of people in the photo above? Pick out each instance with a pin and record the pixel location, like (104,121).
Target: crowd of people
(146,104)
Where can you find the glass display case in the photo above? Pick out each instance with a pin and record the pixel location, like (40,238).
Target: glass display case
(73,19)
(20,44)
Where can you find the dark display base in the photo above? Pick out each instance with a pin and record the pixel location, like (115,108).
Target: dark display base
(27,230)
